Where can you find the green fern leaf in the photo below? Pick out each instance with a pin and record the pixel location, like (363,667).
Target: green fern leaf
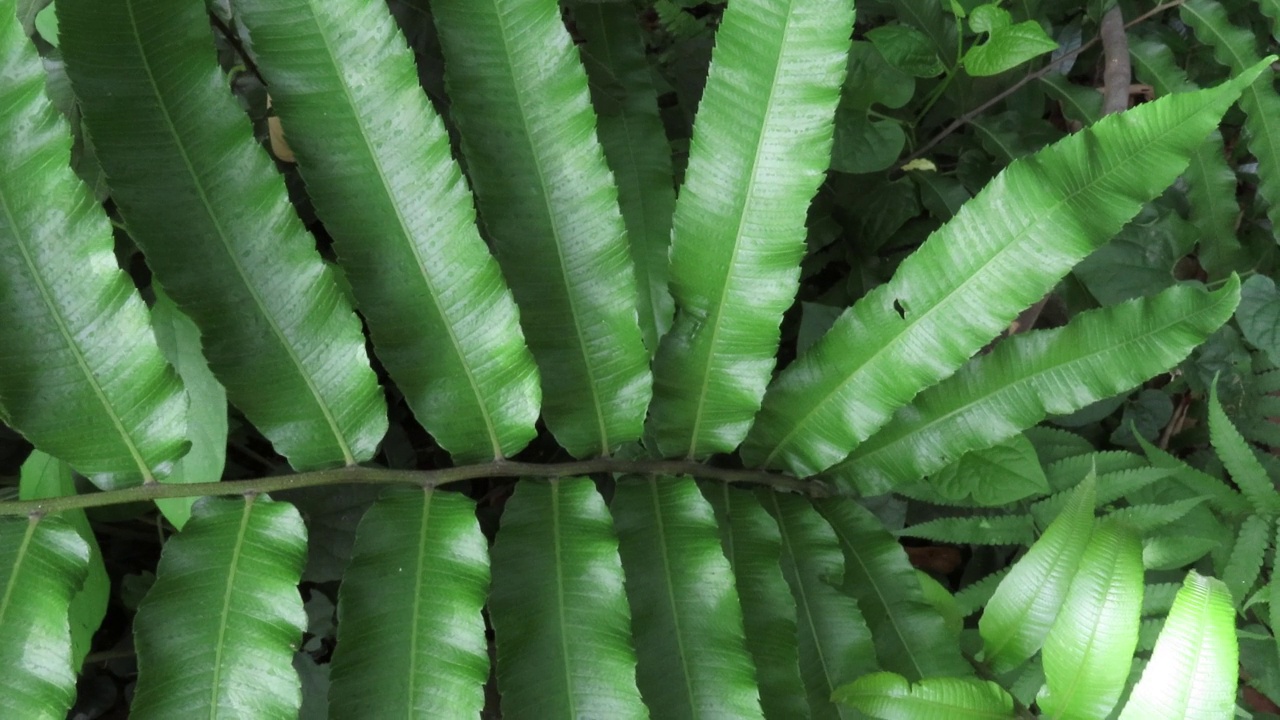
(1067,472)
(835,643)
(635,145)
(909,634)
(1024,607)
(551,207)
(45,477)
(1088,651)
(1192,673)
(1098,354)
(1054,444)
(1003,251)
(81,377)
(205,204)
(973,598)
(1247,473)
(559,612)
(378,168)
(1235,48)
(761,146)
(691,658)
(1157,598)
(216,633)
(888,696)
(410,633)
(1222,496)
(1245,563)
(1149,518)
(42,563)
(751,541)
(977,530)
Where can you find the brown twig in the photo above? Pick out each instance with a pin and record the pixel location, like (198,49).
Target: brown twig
(968,117)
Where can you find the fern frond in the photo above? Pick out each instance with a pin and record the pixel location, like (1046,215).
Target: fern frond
(1245,563)
(1157,598)
(635,145)
(550,205)
(217,631)
(80,375)
(977,530)
(1053,444)
(752,542)
(1098,354)
(410,633)
(1237,456)
(685,614)
(560,618)
(42,562)
(1068,472)
(760,148)
(975,596)
(378,169)
(909,634)
(1221,495)
(1002,252)
(835,643)
(208,209)
(1150,518)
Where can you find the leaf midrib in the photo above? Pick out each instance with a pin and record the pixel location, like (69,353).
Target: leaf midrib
(233,569)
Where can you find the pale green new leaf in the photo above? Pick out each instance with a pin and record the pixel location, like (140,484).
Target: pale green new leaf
(909,634)
(1236,48)
(549,202)
(692,661)
(207,426)
(210,212)
(1098,354)
(1024,607)
(42,564)
(1088,651)
(378,168)
(1193,670)
(835,643)
(760,148)
(753,544)
(1237,456)
(1002,252)
(46,477)
(216,633)
(410,633)
(888,696)
(977,530)
(635,145)
(1245,561)
(80,374)
(559,611)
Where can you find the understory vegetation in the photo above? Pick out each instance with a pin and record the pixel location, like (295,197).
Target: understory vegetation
(639,358)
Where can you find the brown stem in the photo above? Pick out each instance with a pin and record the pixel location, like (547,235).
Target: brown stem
(1117,73)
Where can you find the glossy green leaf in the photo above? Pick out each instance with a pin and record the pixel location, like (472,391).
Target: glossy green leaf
(42,564)
(549,203)
(1024,607)
(685,614)
(835,643)
(1088,651)
(971,278)
(1259,315)
(1236,48)
(888,696)
(1098,354)
(635,145)
(80,376)
(411,637)
(1008,44)
(378,168)
(46,477)
(751,541)
(217,632)
(760,149)
(909,635)
(180,153)
(907,49)
(179,340)
(990,477)
(559,611)
(1247,473)
(1193,670)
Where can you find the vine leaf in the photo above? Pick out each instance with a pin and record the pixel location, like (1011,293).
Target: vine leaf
(179,153)
(1002,252)
(410,632)
(378,167)
(216,632)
